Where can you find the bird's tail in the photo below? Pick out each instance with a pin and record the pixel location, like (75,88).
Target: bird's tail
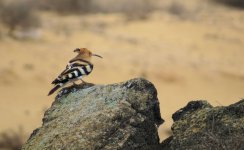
(54,89)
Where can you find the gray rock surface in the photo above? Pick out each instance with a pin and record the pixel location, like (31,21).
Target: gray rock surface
(201,126)
(117,116)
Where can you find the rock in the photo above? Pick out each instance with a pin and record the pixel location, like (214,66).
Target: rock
(201,126)
(117,116)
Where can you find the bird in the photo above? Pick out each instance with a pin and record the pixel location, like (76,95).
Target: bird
(75,70)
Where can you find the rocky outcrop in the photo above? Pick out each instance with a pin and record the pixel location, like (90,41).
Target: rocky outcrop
(126,116)
(117,116)
(201,126)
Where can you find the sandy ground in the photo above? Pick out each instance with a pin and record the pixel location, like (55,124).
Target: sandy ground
(187,57)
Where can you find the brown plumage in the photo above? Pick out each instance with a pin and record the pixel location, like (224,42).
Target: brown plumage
(76,69)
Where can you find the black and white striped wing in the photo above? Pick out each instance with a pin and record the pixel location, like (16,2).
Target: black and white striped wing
(74,71)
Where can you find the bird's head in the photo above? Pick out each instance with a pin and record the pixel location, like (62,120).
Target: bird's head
(85,53)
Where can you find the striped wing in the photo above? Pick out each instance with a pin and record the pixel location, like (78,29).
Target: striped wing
(73,71)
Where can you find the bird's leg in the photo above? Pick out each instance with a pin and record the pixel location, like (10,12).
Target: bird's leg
(74,84)
(83,82)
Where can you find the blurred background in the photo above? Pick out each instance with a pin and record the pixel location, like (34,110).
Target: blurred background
(190,50)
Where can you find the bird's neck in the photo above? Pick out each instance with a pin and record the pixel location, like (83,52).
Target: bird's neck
(85,60)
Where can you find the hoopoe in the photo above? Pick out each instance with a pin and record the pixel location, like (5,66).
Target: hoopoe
(76,69)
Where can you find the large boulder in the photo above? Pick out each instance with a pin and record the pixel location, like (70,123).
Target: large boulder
(117,116)
(202,126)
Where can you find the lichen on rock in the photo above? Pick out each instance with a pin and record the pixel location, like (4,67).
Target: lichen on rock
(116,116)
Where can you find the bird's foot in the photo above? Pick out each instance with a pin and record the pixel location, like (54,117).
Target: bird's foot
(83,82)
(74,84)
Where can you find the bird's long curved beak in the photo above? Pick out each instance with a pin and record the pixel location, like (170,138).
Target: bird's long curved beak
(76,50)
(97,55)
